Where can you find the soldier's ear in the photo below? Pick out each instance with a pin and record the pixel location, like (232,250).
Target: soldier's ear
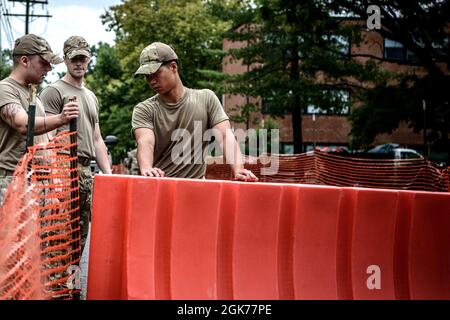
(25,60)
(174,66)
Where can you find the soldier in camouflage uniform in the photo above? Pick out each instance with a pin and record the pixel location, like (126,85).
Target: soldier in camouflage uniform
(90,144)
(181,109)
(131,163)
(32,59)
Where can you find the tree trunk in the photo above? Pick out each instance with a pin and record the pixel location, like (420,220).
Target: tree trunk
(296,109)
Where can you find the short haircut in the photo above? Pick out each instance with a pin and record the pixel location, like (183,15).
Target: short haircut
(170,61)
(16,60)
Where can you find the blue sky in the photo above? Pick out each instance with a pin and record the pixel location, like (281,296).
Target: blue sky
(70,17)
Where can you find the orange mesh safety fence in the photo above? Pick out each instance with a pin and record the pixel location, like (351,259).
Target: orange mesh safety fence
(118,169)
(39,232)
(327,169)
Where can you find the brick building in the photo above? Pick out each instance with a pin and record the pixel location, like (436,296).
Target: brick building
(333,130)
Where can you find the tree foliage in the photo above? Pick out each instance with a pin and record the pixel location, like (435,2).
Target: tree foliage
(296,53)
(185,25)
(5,64)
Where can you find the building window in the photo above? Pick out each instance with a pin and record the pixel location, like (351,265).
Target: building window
(335,102)
(265,106)
(275,105)
(441,48)
(394,50)
(287,148)
(329,102)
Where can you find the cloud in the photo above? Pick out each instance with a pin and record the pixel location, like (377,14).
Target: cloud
(81,19)
(86,3)
(73,20)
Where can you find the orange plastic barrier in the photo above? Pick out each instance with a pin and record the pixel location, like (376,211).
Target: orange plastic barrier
(195,239)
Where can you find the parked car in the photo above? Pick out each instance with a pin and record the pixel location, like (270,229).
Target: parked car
(403,153)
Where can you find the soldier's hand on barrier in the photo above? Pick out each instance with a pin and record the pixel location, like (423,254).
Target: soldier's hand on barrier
(153,172)
(70,111)
(245,175)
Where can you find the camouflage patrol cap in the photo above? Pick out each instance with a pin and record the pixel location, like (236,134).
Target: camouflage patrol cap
(76,46)
(153,56)
(31,44)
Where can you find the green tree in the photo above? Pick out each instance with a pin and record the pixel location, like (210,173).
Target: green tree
(186,25)
(5,64)
(296,53)
(422,28)
(289,45)
(116,97)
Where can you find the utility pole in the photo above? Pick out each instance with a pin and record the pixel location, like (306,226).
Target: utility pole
(28,5)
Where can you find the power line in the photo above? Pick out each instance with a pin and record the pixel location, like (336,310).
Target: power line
(45,29)
(6,24)
(9,26)
(29,6)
